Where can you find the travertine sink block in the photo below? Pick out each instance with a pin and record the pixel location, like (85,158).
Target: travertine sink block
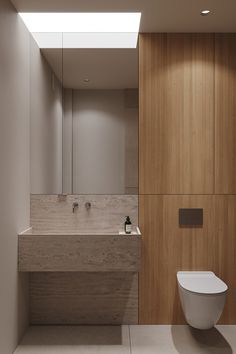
(79,253)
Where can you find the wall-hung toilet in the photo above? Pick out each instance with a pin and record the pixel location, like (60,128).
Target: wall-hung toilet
(202,296)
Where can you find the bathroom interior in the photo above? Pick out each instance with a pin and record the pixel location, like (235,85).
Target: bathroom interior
(118,177)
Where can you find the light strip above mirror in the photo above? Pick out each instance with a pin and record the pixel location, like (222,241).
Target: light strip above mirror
(83,30)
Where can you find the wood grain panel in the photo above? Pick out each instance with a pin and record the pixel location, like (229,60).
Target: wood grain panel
(225,231)
(225,113)
(176,113)
(187,248)
(83,298)
(168,248)
(81,253)
(151,282)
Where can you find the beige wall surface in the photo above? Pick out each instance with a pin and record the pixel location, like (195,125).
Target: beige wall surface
(94,297)
(52,213)
(45,125)
(14,176)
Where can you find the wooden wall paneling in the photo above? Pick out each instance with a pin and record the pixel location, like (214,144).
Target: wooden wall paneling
(187,146)
(225,230)
(84,298)
(168,248)
(225,113)
(151,275)
(176,113)
(189,248)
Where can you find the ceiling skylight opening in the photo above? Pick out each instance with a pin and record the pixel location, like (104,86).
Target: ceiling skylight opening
(89,30)
(82,22)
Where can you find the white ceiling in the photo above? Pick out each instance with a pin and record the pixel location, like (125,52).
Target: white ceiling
(157,15)
(119,68)
(105,68)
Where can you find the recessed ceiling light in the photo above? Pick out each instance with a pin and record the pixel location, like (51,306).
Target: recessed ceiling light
(86,80)
(205,12)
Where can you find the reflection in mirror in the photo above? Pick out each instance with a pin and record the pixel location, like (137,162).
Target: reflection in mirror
(84,120)
(46,113)
(100,125)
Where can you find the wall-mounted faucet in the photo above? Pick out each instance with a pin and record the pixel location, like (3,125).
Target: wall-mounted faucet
(75,206)
(87,205)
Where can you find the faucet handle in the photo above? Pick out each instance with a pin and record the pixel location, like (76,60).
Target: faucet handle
(88,205)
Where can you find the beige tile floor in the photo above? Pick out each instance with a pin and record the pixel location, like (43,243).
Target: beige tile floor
(127,340)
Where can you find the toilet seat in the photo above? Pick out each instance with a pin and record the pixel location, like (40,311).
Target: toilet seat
(201,283)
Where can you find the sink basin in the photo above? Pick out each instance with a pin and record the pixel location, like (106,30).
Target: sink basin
(31,232)
(79,252)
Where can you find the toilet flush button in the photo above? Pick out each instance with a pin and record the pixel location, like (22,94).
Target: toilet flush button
(191,217)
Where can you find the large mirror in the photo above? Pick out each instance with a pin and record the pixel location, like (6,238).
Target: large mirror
(46,118)
(84,131)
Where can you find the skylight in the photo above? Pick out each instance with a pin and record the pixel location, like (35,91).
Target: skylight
(84,30)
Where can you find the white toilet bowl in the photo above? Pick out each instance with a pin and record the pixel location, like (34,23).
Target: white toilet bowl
(202,296)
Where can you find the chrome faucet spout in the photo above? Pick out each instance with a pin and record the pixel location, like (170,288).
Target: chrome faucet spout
(75,206)
(87,205)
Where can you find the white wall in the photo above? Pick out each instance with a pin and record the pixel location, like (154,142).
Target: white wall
(45,125)
(15,172)
(105,141)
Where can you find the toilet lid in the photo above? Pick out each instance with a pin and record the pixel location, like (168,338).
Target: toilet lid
(201,282)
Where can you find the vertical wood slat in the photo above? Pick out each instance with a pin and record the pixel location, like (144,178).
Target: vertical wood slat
(176,113)
(225,113)
(168,248)
(172,163)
